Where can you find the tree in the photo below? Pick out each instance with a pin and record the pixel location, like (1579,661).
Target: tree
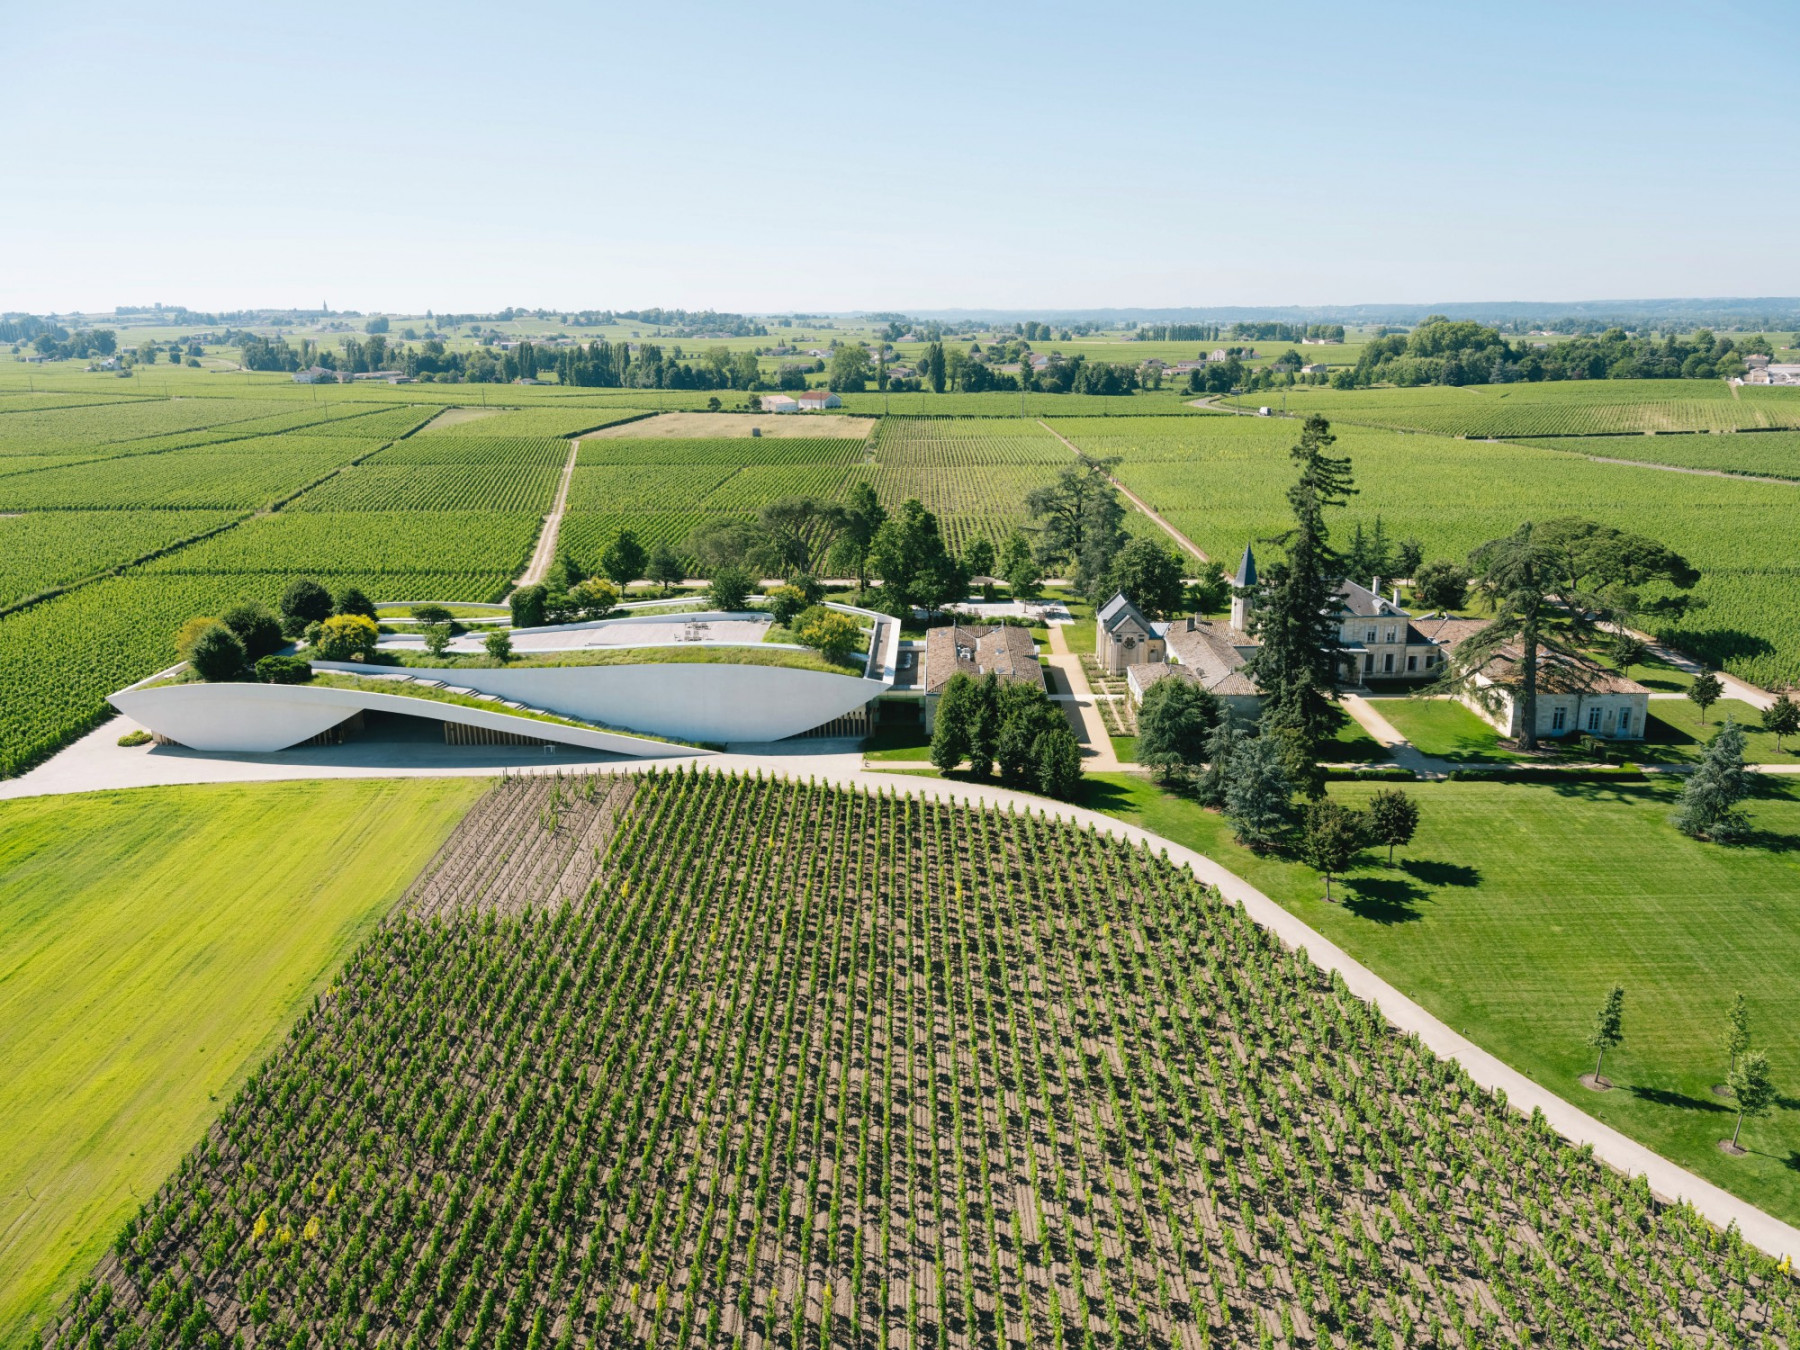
(1628,650)
(429,613)
(1148,575)
(984,724)
(1609,1029)
(1330,838)
(1705,691)
(1408,557)
(1518,577)
(723,542)
(350,600)
(1609,568)
(850,369)
(978,558)
(437,637)
(1056,762)
(1369,557)
(593,598)
(1174,724)
(664,568)
(1737,1030)
(1083,521)
(909,556)
(863,518)
(1211,591)
(832,634)
(1782,718)
(1393,819)
(796,533)
(1295,617)
(1227,737)
(1753,1088)
(624,560)
(347,637)
(1019,567)
(1709,798)
(730,588)
(528,603)
(258,629)
(498,645)
(1440,584)
(304,601)
(565,573)
(283,670)
(952,720)
(217,655)
(1257,793)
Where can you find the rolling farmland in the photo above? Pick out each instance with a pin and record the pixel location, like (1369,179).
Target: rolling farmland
(1774,454)
(1566,408)
(694,1059)
(1220,481)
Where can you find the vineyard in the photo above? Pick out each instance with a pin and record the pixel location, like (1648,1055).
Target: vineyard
(694,1059)
(1220,481)
(1775,454)
(45,549)
(1571,408)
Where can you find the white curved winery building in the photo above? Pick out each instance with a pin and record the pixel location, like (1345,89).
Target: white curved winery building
(622,686)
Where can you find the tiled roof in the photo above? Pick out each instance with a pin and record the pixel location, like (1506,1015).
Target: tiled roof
(1445,631)
(1559,674)
(1208,652)
(978,650)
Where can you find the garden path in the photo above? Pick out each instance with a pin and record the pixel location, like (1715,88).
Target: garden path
(1097,754)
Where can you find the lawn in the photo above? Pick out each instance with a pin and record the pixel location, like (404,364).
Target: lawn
(1677,733)
(1519,905)
(153,944)
(1352,745)
(898,740)
(1443,728)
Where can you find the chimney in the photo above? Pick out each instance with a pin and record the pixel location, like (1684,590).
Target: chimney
(1396,597)
(1190,626)
(1375,587)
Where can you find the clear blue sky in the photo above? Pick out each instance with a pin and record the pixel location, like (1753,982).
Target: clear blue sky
(915,155)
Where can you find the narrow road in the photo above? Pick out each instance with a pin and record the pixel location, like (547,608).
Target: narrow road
(1683,468)
(96,762)
(1097,754)
(545,552)
(1133,498)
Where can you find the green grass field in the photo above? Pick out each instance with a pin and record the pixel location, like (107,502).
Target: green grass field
(1677,733)
(1443,728)
(1519,905)
(153,946)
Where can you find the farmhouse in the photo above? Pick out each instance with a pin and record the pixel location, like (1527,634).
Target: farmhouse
(1006,652)
(817,400)
(779,403)
(315,375)
(1315,368)
(1775,373)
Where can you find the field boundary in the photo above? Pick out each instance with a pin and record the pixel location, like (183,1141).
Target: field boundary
(1133,498)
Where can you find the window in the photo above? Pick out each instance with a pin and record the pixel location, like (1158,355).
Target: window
(1368,661)
(1387,664)
(1393,635)
(1593,719)
(1412,663)
(1559,720)
(1369,636)
(1624,721)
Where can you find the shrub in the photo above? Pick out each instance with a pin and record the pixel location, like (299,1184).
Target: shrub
(283,670)
(594,598)
(347,637)
(499,646)
(786,603)
(305,601)
(430,614)
(437,637)
(258,629)
(217,655)
(730,588)
(352,601)
(528,606)
(189,633)
(833,635)
(138,737)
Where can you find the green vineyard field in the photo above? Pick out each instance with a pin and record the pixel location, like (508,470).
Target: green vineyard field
(690,1059)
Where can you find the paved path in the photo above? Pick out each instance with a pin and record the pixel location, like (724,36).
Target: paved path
(1097,754)
(1403,753)
(96,762)
(545,552)
(1133,498)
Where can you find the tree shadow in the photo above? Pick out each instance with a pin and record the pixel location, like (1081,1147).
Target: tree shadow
(1433,873)
(1793,1160)
(1681,1100)
(1768,841)
(1097,795)
(1716,646)
(1383,900)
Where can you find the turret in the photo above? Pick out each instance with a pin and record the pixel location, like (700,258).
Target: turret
(1243,581)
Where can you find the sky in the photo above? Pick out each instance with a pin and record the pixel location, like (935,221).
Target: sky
(755,158)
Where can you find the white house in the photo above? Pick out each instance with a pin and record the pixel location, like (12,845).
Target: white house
(779,403)
(1774,373)
(1574,698)
(315,375)
(1315,368)
(817,400)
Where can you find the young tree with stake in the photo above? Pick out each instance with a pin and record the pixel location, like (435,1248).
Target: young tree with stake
(1737,1031)
(1782,718)
(1753,1090)
(1609,1030)
(1705,691)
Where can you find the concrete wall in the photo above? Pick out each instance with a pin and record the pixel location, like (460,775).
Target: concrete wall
(260,718)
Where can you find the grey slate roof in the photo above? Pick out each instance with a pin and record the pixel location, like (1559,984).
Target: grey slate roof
(1246,573)
(1117,610)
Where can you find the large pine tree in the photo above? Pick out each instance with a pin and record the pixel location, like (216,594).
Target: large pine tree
(1296,612)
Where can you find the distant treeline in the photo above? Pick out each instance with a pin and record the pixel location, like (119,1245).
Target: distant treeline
(1251,332)
(1456,352)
